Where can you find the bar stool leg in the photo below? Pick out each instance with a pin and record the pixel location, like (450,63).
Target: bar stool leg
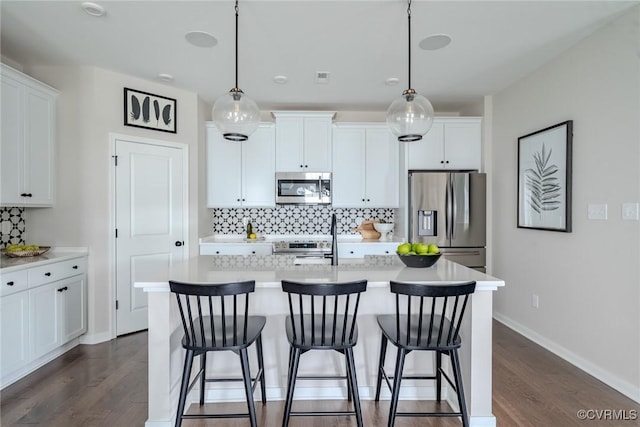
(184,387)
(438,376)
(396,386)
(263,388)
(459,391)
(246,375)
(291,385)
(349,385)
(354,385)
(383,352)
(203,375)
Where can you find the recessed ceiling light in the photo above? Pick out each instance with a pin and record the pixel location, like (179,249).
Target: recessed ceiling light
(435,42)
(93,9)
(392,81)
(201,39)
(165,77)
(280,79)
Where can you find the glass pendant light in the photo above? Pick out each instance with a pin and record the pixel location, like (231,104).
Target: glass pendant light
(410,117)
(235,114)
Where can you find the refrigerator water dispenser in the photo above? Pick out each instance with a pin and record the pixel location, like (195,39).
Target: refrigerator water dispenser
(427,223)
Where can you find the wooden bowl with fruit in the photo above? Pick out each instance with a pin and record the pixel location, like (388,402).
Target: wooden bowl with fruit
(418,255)
(16,251)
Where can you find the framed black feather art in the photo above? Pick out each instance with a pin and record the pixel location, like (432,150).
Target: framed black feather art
(149,111)
(544,178)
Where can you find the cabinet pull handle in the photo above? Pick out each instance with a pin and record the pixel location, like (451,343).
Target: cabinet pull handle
(60,289)
(75,267)
(253,252)
(442,161)
(301,166)
(47,274)
(10,283)
(217,252)
(23,194)
(350,252)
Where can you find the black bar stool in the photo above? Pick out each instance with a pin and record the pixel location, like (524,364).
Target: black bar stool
(322,316)
(433,326)
(215,317)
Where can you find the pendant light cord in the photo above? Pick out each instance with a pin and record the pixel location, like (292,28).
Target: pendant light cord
(236,44)
(409,38)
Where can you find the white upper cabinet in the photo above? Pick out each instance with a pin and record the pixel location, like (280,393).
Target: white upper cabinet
(452,143)
(27,141)
(365,166)
(303,141)
(241,174)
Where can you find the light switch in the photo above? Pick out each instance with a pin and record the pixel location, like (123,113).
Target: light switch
(597,211)
(630,212)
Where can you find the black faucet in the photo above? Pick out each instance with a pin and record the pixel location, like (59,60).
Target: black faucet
(334,240)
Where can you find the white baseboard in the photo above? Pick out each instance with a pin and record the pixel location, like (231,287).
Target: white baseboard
(37,363)
(624,387)
(98,338)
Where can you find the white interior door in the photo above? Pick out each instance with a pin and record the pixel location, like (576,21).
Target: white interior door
(150,221)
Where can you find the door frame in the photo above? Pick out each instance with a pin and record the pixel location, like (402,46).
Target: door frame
(112,210)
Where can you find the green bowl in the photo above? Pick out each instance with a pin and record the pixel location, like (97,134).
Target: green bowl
(419,261)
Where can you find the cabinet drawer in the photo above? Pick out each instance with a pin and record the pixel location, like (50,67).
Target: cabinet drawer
(236,249)
(359,250)
(14,282)
(56,271)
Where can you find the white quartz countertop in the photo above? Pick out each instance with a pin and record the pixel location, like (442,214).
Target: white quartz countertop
(269,270)
(8,264)
(241,238)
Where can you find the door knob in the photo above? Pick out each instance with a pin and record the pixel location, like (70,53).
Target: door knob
(179,243)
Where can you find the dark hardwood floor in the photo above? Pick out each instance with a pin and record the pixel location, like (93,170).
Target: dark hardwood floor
(106,385)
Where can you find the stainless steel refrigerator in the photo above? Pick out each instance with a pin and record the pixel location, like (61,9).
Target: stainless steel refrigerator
(449,209)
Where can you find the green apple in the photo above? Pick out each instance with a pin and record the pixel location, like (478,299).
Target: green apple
(433,249)
(421,248)
(404,248)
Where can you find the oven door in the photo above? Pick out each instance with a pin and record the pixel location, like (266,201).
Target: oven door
(303,188)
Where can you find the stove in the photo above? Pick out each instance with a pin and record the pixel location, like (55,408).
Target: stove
(302,247)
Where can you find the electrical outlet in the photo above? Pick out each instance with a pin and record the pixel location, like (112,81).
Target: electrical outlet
(535,301)
(597,211)
(630,212)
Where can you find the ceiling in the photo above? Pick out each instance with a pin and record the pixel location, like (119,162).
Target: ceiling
(361,43)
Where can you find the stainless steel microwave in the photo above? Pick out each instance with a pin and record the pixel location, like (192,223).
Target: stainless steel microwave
(303,188)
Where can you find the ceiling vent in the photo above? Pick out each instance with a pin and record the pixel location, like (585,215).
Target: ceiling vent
(322,77)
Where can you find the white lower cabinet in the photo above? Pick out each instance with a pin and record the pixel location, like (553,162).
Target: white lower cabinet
(47,312)
(236,249)
(360,249)
(14,327)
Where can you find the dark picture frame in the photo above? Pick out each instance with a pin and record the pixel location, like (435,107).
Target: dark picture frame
(149,111)
(544,178)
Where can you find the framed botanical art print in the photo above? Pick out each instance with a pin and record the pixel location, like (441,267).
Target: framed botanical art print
(149,111)
(544,178)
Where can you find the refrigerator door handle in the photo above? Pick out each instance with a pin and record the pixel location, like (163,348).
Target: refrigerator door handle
(447,205)
(454,209)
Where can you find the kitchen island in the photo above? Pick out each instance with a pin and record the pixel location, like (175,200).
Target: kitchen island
(165,331)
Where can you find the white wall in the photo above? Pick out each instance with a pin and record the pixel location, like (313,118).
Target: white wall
(588,281)
(89,108)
